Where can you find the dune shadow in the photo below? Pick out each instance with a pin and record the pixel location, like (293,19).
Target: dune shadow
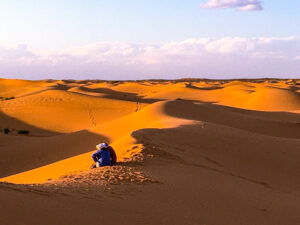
(14,125)
(295,89)
(278,124)
(61,87)
(23,152)
(228,152)
(38,152)
(204,88)
(125,96)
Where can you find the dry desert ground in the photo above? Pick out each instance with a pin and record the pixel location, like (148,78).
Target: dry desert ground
(190,151)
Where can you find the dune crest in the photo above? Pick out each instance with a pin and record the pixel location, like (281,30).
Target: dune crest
(117,131)
(115,110)
(229,148)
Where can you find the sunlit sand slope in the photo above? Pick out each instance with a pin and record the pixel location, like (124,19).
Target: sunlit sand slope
(254,96)
(16,88)
(21,153)
(63,111)
(117,131)
(218,152)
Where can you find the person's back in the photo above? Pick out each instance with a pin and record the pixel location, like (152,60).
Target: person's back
(102,157)
(113,155)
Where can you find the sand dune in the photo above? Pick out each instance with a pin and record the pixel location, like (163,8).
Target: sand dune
(59,111)
(141,89)
(274,99)
(188,150)
(16,88)
(117,131)
(19,153)
(236,94)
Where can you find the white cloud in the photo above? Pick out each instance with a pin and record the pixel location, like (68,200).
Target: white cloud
(241,5)
(215,58)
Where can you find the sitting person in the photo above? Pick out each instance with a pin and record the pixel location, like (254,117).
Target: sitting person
(102,156)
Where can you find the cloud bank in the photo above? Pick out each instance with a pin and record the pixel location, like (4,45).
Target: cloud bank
(241,5)
(229,57)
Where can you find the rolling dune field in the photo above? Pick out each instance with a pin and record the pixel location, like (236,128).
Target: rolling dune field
(190,151)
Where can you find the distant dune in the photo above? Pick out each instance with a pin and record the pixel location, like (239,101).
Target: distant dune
(190,151)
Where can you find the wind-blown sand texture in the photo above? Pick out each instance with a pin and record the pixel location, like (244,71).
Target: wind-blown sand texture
(190,152)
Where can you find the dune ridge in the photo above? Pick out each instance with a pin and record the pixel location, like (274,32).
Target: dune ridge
(229,148)
(118,132)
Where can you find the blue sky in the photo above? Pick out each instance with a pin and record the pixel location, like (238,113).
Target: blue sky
(55,27)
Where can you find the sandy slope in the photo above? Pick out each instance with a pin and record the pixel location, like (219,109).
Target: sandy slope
(16,88)
(63,111)
(117,131)
(222,153)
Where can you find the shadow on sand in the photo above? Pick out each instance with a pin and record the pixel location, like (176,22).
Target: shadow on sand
(277,124)
(125,96)
(19,153)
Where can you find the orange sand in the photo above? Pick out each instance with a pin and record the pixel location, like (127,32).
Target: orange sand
(221,152)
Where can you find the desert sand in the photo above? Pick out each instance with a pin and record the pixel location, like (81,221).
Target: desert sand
(190,151)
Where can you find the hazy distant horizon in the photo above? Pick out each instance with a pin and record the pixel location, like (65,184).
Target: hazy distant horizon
(160,79)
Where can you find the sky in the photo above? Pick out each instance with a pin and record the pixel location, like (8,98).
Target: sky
(134,39)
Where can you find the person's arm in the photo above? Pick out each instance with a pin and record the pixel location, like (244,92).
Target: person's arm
(95,156)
